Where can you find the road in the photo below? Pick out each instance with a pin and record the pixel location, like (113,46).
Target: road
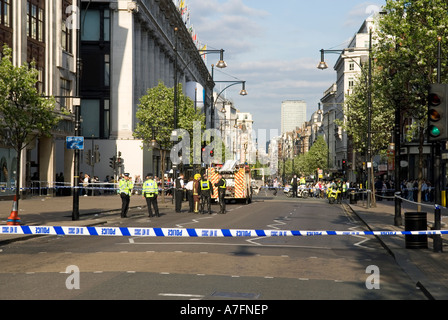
(276,268)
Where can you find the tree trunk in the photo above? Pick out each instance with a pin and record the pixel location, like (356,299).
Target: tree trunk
(18,173)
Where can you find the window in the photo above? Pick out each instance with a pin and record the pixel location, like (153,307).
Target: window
(95,115)
(90,113)
(35,20)
(66,88)
(351,66)
(351,83)
(106,70)
(95,25)
(67,32)
(5,13)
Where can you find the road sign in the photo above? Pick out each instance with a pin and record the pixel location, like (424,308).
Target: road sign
(75,143)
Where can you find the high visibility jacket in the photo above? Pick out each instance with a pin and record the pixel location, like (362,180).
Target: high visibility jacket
(125,187)
(302,181)
(222,184)
(150,188)
(205,185)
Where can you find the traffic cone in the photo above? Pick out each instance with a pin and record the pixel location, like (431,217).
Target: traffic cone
(13,219)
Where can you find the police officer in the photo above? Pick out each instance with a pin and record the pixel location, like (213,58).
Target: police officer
(206,197)
(339,188)
(125,187)
(221,193)
(294,182)
(179,189)
(150,192)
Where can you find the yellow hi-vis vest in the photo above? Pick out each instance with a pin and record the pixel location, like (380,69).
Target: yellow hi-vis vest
(150,188)
(224,185)
(125,187)
(205,185)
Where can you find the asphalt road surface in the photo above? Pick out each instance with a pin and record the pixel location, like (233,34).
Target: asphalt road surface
(251,269)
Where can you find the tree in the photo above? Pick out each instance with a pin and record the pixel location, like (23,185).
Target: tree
(406,55)
(156,118)
(24,113)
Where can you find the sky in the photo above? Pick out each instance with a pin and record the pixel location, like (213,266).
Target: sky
(275,47)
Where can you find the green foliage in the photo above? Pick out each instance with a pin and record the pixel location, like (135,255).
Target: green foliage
(24,113)
(406,52)
(156,114)
(356,115)
(309,162)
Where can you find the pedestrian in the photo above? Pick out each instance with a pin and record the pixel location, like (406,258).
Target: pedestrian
(189,188)
(196,191)
(206,197)
(150,191)
(294,182)
(85,184)
(179,192)
(221,193)
(125,187)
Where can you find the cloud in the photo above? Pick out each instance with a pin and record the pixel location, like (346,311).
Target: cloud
(230,24)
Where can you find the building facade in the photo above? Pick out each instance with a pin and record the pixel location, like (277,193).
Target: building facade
(293,115)
(128,47)
(36,30)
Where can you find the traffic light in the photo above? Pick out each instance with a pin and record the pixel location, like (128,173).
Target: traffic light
(437,113)
(113,162)
(344,164)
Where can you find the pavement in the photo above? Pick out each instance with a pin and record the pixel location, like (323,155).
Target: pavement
(427,269)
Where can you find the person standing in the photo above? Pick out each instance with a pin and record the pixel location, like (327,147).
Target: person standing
(125,187)
(221,185)
(179,190)
(150,191)
(196,191)
(206,197)
(189,188)
(294,182)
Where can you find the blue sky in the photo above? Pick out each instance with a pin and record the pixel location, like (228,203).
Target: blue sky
(274,46)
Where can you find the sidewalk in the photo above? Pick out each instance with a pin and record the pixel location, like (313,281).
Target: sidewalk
(429,270)
(57,211)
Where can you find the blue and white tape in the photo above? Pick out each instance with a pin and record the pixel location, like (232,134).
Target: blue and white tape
(195,233)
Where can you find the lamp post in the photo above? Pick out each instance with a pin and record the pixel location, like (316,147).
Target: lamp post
(77,105)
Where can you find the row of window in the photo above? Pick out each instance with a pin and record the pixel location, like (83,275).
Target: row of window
(36,21)
(95,52)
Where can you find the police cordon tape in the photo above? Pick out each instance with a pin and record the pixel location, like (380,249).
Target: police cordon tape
(194,233)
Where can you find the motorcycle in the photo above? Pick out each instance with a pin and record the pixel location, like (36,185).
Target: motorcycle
(301,193)
(287,190)
(333,195)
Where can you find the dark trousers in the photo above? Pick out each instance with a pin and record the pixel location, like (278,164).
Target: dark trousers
(179,196)
(125,199)
(206,200)
(152,201)
(294,191)
(190,200)
(222,201)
